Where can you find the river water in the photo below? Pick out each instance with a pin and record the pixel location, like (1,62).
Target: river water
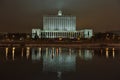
(59,63)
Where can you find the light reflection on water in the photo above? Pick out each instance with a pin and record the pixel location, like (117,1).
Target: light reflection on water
(59,59)
(35,53)
(54,60)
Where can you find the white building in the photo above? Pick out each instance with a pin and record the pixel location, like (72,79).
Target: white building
(87,33)
(60,26)
(59,23)
(36,32)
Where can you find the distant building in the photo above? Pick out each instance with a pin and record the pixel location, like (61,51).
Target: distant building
(59,26)
(36,32)
(87,33)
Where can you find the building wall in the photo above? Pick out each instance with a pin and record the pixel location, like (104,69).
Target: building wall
(59,23)
(56,34)
(36,32)
(87,33)
(61,34)
(61,26)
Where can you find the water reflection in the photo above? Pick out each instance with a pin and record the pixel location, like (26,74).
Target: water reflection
(58,62)
(110,52)
(113,52)
(13,53)
(6,53)
(59,59)
(107,55)
(59,75)
(22,52)
(27,52)
(36,54)
(86,54)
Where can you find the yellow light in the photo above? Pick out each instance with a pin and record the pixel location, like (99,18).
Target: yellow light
(28,52)
(60,38)
(13,53)
(113,53)
(6,50)
(22,52)
(78,38)
(13,48)
(113,49)
(39,49)
(53,50)
(28,48)
(107,49)
(107,55)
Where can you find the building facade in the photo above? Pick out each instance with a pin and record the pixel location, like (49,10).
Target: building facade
(56,34)
(58,26)
(87,33)
(59,23)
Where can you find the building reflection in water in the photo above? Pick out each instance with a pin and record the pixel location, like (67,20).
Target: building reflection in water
(55,61)
(60,50)
(59,74)
(86,54)
(57,51)
(58,56)
(58,62)
(46,52)
(58,59)
(63,59)
(36,54)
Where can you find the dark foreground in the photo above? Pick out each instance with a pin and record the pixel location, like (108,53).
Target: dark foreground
(86,71)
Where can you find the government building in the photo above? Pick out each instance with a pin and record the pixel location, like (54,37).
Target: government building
(60,26)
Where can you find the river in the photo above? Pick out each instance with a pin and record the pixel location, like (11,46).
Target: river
(59,63)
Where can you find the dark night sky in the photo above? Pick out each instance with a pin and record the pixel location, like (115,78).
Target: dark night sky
(23,15)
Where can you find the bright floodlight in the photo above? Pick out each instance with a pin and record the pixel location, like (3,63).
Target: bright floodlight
(59,13)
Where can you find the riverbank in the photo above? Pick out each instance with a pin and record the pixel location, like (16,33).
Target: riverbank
(33,43)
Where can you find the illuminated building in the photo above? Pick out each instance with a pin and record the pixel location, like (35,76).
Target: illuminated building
(36,32)
(58,26)
(87,33)
(59,23)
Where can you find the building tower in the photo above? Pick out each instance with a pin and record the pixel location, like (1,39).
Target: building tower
(59,13)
